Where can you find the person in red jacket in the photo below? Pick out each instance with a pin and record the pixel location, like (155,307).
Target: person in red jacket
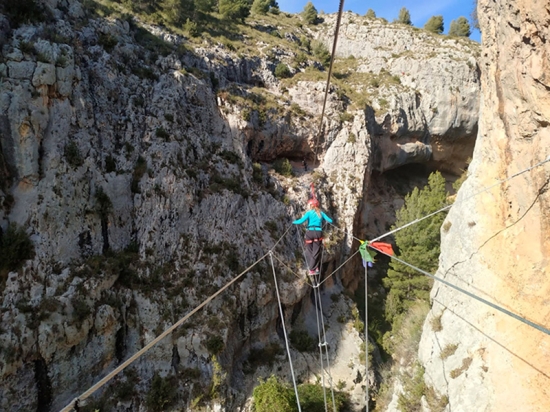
(314,234)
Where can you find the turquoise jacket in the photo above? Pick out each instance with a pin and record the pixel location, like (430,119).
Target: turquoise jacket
(314,222)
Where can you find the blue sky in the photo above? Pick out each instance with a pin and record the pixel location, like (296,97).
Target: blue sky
(420,10)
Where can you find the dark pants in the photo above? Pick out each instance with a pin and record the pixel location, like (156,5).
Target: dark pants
(313,249)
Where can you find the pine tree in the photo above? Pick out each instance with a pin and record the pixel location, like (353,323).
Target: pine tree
(370,14)
(435,24)
(404,16)
(310,13)
(417,245)
(460,27)
(234,9)
(263,6)
(177,11)
(205,6)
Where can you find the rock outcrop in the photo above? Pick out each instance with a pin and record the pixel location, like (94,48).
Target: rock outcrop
(140,169)
(430,103)
(495,243)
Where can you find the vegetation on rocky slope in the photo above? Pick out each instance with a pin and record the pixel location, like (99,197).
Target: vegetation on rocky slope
(122,68)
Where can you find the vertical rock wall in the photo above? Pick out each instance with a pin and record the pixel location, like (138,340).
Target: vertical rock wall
(497,244)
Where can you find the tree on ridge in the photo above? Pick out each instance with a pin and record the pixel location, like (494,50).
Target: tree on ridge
(460,27)
(435,24)
(404,16)
(310,13)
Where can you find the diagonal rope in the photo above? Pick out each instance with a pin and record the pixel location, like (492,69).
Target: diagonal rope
(520,318)
(284,332)
(337,269)
(499,182)
(146,348)
(299,277)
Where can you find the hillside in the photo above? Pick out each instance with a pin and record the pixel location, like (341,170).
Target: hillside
(144,161)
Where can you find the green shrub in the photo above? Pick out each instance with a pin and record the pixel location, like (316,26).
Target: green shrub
(104,204)
(434,24)
(413,390)
(261,6)
(231,157)
(460,27)
(321,52)
(108,42)
(309,13)
(300,59)
(257,173)
(305,42)
(282,71)
(234,9)
(26,47)
(283,167)
(15,248)
(273,395)
(271,227)
(73,155)
(437,326)
(23,11)
(312,398)
(370,14)
(264,356)
(404,16)
(81,310)
(302,342)
(214,344)
(162,394)
(163,134)
(346,117)
(110,164)
(139,171)
(191,28)
(466,362)
(448,350)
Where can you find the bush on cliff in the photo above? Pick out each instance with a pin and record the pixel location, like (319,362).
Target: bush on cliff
(15,248)
(274,395)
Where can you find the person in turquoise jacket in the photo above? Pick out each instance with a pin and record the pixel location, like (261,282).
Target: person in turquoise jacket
(314,234)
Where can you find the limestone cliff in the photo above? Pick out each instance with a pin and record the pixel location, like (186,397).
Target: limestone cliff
(139,163)
(496,244)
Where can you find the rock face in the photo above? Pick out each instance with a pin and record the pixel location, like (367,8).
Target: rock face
(495,244)
(432,101)
(130,162)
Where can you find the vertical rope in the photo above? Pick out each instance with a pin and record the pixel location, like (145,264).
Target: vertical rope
(315,286)
(284,332)
(318,291)
(366,341)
